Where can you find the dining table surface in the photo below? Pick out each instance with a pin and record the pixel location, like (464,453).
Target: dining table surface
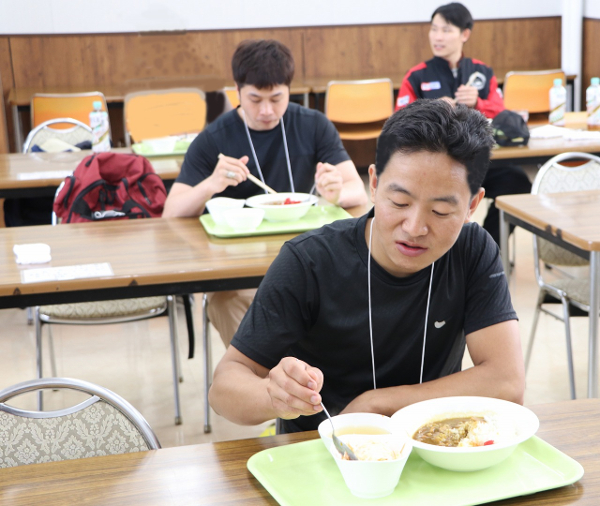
(570,220)
(40,174)
(217,473)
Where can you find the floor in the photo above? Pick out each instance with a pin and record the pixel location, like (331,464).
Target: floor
(134,360)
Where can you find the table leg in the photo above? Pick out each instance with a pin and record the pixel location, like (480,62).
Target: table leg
(504,230)
(594,317)
(17,127)
(306,103)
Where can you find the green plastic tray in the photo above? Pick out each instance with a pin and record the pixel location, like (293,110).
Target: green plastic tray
(180,148)
(316,217)
(305,473)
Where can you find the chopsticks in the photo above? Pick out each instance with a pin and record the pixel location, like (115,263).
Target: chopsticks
(257,181)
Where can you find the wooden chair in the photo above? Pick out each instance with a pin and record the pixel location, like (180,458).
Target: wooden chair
(162,113)
(573,293)
(48,106)
(529,91)
(103,424)
(359,108)
(232,95)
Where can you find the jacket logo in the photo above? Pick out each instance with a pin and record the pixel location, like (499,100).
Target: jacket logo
(439,325)
(477,80)
(433,85)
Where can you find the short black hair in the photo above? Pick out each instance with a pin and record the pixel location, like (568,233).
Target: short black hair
(456,14)
(436,126)
(262,63)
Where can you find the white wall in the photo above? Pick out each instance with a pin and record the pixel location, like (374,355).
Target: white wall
(592,9)
(114,16)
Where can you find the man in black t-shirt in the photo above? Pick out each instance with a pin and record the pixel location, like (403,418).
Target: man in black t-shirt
(289,147)
(373,314)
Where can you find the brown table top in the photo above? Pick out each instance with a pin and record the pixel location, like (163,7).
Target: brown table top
(570,216)
(36,170)
(550,147)
(216,473)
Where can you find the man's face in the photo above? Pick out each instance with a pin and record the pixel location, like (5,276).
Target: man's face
(446,40)
(421,202)
(264,108)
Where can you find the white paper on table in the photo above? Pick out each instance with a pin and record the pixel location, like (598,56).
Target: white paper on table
(581,135)
(66,272)
(33,253)
(46,174)
(547,132)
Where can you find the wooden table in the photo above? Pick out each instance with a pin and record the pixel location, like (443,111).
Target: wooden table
(148,257)
(216,473)
(570,220)
(40,174)
(541,150)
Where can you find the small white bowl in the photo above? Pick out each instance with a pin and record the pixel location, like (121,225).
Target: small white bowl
(515,425)
(216,207)
(279,212)
(368,479)
(244,220)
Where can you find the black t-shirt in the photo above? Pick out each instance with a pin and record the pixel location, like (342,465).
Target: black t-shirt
(311,138)
(313,305)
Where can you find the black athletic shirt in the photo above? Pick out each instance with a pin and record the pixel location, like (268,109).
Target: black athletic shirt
(311,138)
(313,305)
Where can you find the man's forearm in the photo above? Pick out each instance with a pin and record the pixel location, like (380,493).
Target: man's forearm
(479,380)
(189,203)
(352,194)
(240,396)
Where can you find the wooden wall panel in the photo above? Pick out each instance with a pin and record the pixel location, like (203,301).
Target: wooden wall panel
(590,53)
(6,79)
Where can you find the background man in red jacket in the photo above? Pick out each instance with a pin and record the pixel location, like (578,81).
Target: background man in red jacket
(450,76)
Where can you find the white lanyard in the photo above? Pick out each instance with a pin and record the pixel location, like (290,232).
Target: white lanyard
(371,318)
(285,146)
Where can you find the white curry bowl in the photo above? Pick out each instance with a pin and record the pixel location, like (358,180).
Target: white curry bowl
(161,144)
(243,220)
(368,479)
(217,206)
(512,422)
(274,208)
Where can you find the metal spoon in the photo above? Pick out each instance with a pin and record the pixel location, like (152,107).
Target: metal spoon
(341,447)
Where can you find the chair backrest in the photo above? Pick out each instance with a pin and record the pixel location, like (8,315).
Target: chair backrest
(530,91)
(162,113)
(555,177)
(363,101)
(47,106)
(104,424)
(78,132)
(231,93)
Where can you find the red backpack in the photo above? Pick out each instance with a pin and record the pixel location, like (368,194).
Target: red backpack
(110,186)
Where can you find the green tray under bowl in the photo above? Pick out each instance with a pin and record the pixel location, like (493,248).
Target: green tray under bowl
(316,217)
(180,148)
(305,473)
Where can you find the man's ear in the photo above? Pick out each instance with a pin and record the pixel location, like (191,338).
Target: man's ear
(465,34)
(475,201)
(372,181)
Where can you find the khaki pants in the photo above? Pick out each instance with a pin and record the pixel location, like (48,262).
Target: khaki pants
(226,310)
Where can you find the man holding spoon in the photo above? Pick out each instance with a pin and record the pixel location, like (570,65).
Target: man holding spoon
(286,146)
(374,314)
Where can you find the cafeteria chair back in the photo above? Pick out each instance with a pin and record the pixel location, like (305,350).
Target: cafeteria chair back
(359,108)
(103,424)
(232,95)
(47,106)
(530,90)
(573,292)
(162,113)
(77,133)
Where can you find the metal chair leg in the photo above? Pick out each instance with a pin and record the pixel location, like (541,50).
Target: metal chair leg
(566,316)
(172,312)
(206,355)
(52,353)
(38,353)
(29,316)
(536,316)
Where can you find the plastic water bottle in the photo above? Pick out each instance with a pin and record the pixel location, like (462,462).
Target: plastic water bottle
(592,100)
(100,128)
(558,103)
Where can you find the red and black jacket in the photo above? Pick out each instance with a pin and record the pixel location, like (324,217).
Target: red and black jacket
(434,79)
